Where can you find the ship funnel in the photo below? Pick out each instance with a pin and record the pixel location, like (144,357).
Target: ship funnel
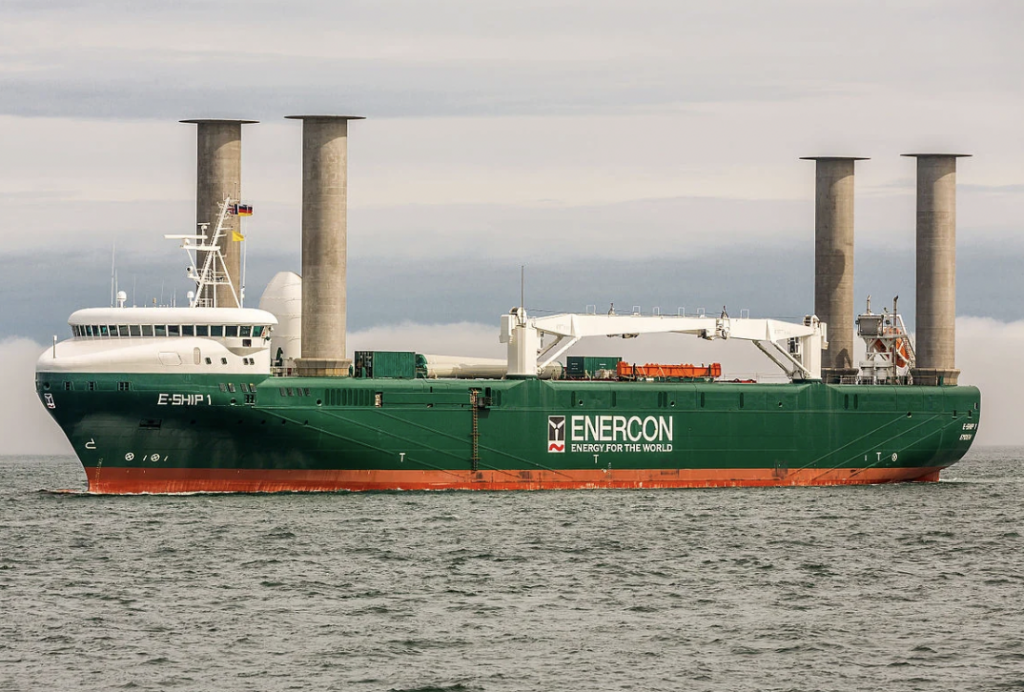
(324,244)
(936,269)
(833,262)
(219,175)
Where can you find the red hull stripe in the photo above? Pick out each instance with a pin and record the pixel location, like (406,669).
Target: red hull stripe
(158,480)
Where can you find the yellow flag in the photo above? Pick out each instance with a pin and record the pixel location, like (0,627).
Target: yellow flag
(236,236)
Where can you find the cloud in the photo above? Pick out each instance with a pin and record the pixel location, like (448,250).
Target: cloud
(458,57)
(768,279)
(994,189)
(25,426)
(458,339)
(988,355)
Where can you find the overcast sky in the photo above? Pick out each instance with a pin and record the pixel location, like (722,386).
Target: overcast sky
(642,152)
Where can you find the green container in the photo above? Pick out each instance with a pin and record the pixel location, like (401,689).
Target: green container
(580,367)
(395,365)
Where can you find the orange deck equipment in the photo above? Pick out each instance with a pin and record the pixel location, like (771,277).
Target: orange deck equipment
(679,372)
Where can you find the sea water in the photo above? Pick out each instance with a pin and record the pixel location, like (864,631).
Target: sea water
(902,587)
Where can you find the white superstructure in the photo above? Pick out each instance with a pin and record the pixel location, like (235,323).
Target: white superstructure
(164,340)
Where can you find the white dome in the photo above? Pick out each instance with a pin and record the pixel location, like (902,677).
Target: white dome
(283,299)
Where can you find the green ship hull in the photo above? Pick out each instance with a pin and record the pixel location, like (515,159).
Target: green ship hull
(207,433)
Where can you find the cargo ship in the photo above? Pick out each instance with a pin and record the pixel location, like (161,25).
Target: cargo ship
(216,397)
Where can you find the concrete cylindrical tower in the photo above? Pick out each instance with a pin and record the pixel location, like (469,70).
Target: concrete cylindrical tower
(833,262)
(936,269)
(324,244)
(219,175)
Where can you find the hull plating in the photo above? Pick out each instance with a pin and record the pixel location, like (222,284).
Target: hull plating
(167,435)
(135,480)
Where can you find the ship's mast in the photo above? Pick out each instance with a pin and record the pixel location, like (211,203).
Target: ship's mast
(214,270)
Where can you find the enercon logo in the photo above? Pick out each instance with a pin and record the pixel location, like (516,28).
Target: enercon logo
(556,433)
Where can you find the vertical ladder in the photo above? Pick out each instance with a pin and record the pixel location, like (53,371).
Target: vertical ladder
(475,457)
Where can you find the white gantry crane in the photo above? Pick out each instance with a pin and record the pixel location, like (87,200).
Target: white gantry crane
(796,348)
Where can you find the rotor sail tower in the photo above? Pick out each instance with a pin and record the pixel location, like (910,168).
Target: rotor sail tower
(324,244)
(936,269)
(833,263)
(219,177)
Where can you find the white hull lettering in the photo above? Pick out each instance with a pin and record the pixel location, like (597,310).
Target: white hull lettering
(183,399)
(624,429)
(613,448)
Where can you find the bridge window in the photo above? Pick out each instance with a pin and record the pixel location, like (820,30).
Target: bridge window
(245,331)
(217,330)
(231,330)
(257,330)
(122,329)
(103,330)
(160,329)
(187,330)
(231,387)
(202,330)
(135,330)
(173,330)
